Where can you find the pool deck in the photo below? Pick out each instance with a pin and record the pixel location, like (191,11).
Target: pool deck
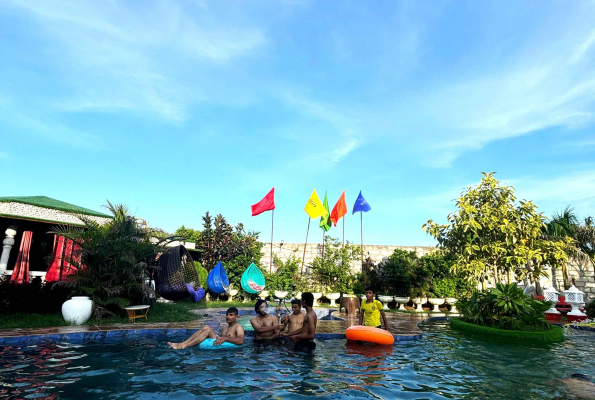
(404,326)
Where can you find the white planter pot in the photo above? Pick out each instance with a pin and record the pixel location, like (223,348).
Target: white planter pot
(435,302)
(333,297)
(232,293)
(385,300)
(280,294)
(402,301)
(451,301)
(316,297)
(77,310)
(418,302)
(264,294)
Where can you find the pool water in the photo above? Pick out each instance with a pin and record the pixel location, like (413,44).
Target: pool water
(445,364)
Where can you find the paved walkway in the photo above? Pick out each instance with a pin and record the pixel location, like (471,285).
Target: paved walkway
(402,325)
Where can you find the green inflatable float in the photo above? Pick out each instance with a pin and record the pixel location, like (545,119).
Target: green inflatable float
(253,280)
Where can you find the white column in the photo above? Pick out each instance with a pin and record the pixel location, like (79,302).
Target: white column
(7,243)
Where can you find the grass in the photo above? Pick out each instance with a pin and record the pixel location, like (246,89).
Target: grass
(178,311)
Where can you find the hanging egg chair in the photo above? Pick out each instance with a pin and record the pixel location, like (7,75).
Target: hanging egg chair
(217,280)
(253,280)
(176,269)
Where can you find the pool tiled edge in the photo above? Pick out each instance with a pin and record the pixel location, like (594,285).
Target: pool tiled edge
(404,327)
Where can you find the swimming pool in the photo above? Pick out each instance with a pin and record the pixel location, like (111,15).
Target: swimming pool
(445,364)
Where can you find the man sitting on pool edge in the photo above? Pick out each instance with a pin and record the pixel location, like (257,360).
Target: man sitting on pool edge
(233,333)
(266,326)
(304,337)
(372,310)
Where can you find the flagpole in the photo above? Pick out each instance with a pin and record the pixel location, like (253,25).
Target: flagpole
(323,234)
(305,245)
(361,220)
(272,225)
(343,244)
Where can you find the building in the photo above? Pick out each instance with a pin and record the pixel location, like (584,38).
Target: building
(38,215)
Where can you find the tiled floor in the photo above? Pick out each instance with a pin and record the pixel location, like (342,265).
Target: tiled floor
(402,325)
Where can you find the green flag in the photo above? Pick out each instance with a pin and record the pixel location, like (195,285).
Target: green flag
(325,220)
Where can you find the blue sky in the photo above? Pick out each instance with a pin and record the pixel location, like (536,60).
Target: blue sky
(180,108)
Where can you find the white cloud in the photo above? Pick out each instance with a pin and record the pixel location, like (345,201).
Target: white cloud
(343,150)
(155,58)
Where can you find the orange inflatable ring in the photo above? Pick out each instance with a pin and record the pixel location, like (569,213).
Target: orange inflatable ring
(369,334)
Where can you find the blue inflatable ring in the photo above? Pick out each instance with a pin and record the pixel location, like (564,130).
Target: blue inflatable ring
(207,344)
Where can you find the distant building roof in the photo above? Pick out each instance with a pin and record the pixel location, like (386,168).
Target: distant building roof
(43,208)
(48,202)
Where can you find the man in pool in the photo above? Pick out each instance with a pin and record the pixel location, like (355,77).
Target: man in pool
(372,310)
(304,336)
(265,325)
(295,320)
(232,333)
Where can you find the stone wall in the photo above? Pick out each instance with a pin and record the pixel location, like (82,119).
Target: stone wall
(375,252)
(584,278)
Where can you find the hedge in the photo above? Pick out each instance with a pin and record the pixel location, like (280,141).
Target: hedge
(554,335)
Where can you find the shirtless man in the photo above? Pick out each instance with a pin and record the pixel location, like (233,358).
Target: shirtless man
(294,320)
(304,337)
(265,325)
(233,333)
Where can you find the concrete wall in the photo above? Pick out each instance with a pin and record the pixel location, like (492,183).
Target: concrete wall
(376,252)
(583,274)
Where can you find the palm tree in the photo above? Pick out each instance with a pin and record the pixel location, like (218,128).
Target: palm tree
(566,225)
(112,259)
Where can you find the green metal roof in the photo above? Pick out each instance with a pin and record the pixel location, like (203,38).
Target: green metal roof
(48,202)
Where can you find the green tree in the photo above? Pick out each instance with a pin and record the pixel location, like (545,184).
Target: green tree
(491,234)
(190,234)
(334,272)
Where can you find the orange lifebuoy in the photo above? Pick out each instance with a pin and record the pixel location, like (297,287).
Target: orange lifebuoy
(369,334)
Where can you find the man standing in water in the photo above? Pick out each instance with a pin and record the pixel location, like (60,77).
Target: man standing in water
(233,333)
(295,320)
(265,325)
(304,337)
(372,311)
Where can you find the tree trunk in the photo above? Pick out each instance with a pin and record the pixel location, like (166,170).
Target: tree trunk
(565,276)
(495,268)
(509,278)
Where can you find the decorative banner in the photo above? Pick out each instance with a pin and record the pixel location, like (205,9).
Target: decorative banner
(361,204)
(314,207)
(339,210)
(266,204)
(325,220)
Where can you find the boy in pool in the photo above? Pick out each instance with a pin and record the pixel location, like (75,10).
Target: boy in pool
(304,336)
(265,325)
(372,310)
(233,333)
(295,320)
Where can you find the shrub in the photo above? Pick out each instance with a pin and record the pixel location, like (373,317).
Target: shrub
(590,309)
(505,307)
(334,272)
(202,275)
(112,261)
(39,298)
(285,276)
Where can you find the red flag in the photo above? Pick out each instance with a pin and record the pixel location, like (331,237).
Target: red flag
(266,204)
(339,210)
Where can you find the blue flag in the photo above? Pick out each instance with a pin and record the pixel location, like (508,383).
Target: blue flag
(361,204)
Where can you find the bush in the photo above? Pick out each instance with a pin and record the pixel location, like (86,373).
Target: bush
(112,261)
(554,335)
(202,275)
(334,272)
(286,275)
(505,307)
(590,309)
(39,298)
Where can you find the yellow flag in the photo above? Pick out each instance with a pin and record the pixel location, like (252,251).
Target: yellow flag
(314,206)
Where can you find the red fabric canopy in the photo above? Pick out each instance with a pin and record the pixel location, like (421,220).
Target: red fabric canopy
(20,272)
(64,251)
